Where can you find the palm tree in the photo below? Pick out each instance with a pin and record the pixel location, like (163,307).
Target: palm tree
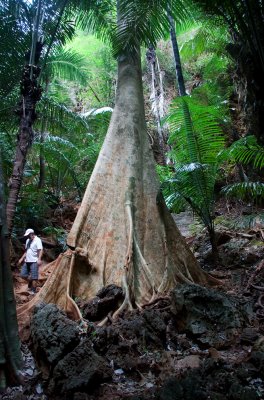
(44,22)
(123,232)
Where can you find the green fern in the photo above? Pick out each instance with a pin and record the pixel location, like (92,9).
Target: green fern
(197,142)
(245,190)
(247,151)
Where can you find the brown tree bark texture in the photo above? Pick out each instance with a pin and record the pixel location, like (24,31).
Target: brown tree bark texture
(123,232)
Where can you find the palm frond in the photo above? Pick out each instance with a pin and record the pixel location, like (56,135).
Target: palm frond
(144,22)
(57,117)
(96,17)
(67,65)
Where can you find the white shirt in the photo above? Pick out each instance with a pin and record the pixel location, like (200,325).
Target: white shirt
(32,249)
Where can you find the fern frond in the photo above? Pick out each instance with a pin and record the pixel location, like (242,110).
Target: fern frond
(247,151)
(197,142)
(197,130)
(245,190)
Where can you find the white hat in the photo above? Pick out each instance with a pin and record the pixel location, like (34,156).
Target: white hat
(28,231)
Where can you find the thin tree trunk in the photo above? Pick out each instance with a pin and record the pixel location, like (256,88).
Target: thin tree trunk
(175,47)
(123,233)
(42,166)
(160,154)
(10,356)
(31,94)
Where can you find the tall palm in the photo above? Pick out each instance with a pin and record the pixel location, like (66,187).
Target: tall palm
(42,21)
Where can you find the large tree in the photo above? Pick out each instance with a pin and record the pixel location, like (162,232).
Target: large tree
(123,232)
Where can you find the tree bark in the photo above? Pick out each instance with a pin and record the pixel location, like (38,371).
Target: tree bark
(31,94)
(42,166)
(123,232)
(10,356)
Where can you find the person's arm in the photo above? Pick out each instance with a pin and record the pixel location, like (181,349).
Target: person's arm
(40,252)
(22,259)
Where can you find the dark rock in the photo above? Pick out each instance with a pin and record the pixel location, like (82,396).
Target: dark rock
(240,252)
(147,329)
(82,370)
(106,300)
(111,291)
(249,335)
(124,341)
(186,389)
(238,392)
(53,334)
(210,316)
(103,337)
(214,380)
(257,359)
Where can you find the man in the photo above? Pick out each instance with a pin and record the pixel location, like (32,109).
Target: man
(31,258)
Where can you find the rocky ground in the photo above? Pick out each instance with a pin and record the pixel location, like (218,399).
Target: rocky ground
(196,343)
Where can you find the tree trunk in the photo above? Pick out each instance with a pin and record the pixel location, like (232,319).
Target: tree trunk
(42,166)
(177,58)
(159,149)
(31,94)
(10,356)
(123,233)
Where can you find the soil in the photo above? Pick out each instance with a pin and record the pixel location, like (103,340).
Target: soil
(203,343)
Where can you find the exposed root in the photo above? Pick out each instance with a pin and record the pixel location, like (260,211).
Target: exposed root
(106,319)
(145,268)
(164,281)
(260,301)
(183,278)
(132,240)
(70,303)
(260,288)
(155,301)
(127,301)
(128,259)
(188,272)
(128,206)
(139,306)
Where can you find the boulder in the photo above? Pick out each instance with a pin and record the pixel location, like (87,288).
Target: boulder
(211,317)
(82,370)
(53,334)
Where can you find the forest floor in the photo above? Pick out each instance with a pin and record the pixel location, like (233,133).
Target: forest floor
(195,343)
